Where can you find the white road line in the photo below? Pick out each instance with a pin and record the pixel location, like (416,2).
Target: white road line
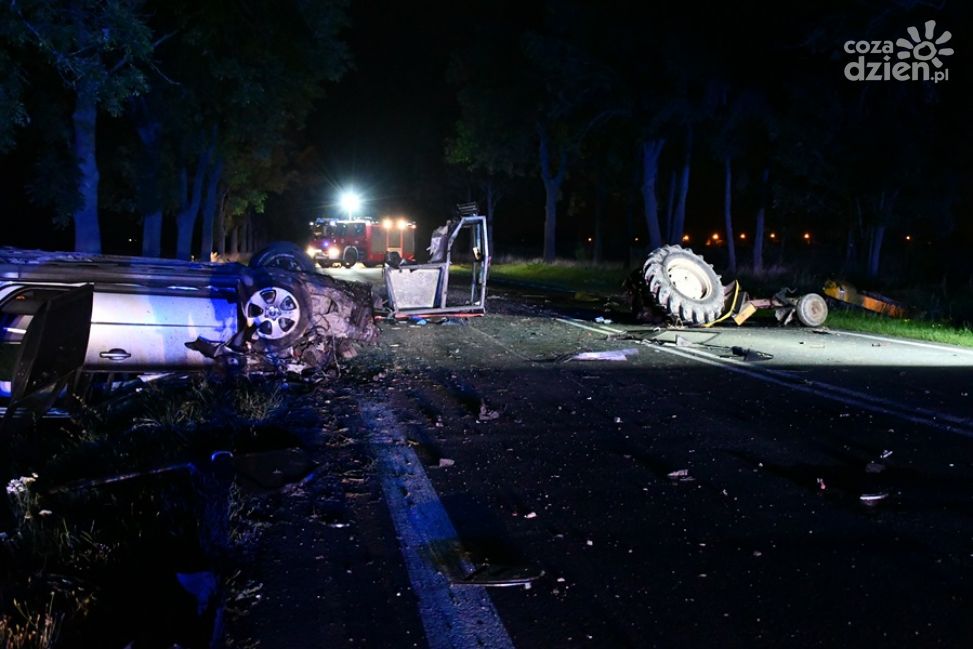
(454,616)
(912,343)
(923,416)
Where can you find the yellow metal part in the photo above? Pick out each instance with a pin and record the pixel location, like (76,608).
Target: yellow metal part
(746,311)
(847,293)
(733,306)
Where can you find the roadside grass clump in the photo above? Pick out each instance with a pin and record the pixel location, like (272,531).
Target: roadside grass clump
(111,505)
(28,630)
(562,275)
(930,331)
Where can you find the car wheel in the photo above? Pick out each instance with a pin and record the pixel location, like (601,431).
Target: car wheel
(350,257)
(684,285)
(283,255)
(812,310)
(278,312)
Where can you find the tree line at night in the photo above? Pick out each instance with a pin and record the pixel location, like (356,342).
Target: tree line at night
(628,104)
(185,110)
(191,115)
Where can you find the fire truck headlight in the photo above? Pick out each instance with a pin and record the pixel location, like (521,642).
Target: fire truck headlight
(387,224)
(311,251)
(401,224)
(333,252)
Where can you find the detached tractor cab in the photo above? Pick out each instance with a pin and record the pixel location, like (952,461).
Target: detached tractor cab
(677,285)
(423,289)
(346,242)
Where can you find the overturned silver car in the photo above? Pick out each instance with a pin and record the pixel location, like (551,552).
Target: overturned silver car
(63,314)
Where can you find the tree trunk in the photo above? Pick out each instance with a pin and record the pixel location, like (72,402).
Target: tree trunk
(87,233)
(152,234)
(598,250)
(235,242)
(209,211)
(731,249)
(670,206)
(875,249)
(850,246)
(492,198)
(189,212)
(245,235)
(149,131)
(221,227)
(758,234)
(679,219)
(651,149)
(552,187)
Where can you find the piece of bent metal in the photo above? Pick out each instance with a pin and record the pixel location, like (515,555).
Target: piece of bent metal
(423,289)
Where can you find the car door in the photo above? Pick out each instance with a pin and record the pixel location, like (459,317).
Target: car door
(144,331)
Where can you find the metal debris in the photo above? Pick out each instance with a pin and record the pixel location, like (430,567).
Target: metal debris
(609,355)
(486,414)
(680,475)
(873,499)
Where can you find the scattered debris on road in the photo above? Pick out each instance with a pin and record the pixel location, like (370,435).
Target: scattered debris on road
(750,354)
(680,475)
(609,355)
(486,414)
(873,499)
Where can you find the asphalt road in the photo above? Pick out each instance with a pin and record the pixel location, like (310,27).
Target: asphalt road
(752,486)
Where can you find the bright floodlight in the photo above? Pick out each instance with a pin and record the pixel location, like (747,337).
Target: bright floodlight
(350,202)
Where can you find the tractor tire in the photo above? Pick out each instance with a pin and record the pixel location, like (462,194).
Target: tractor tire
(278,309)
(283,255)
(683,285)
(812,310)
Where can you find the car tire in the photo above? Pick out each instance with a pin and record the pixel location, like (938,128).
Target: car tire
(812,310)
(350,258)
(683,285)
(283,255)
(278,308)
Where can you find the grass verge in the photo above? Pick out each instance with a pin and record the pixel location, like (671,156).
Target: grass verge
(607,279)
(936,332)
(562,275)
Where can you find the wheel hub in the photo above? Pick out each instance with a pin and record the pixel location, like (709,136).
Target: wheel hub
(273,311)
(688,280)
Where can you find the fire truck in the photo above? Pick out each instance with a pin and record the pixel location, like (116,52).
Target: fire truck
(370,241)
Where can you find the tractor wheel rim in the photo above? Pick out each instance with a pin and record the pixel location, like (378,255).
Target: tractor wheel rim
(688,279)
